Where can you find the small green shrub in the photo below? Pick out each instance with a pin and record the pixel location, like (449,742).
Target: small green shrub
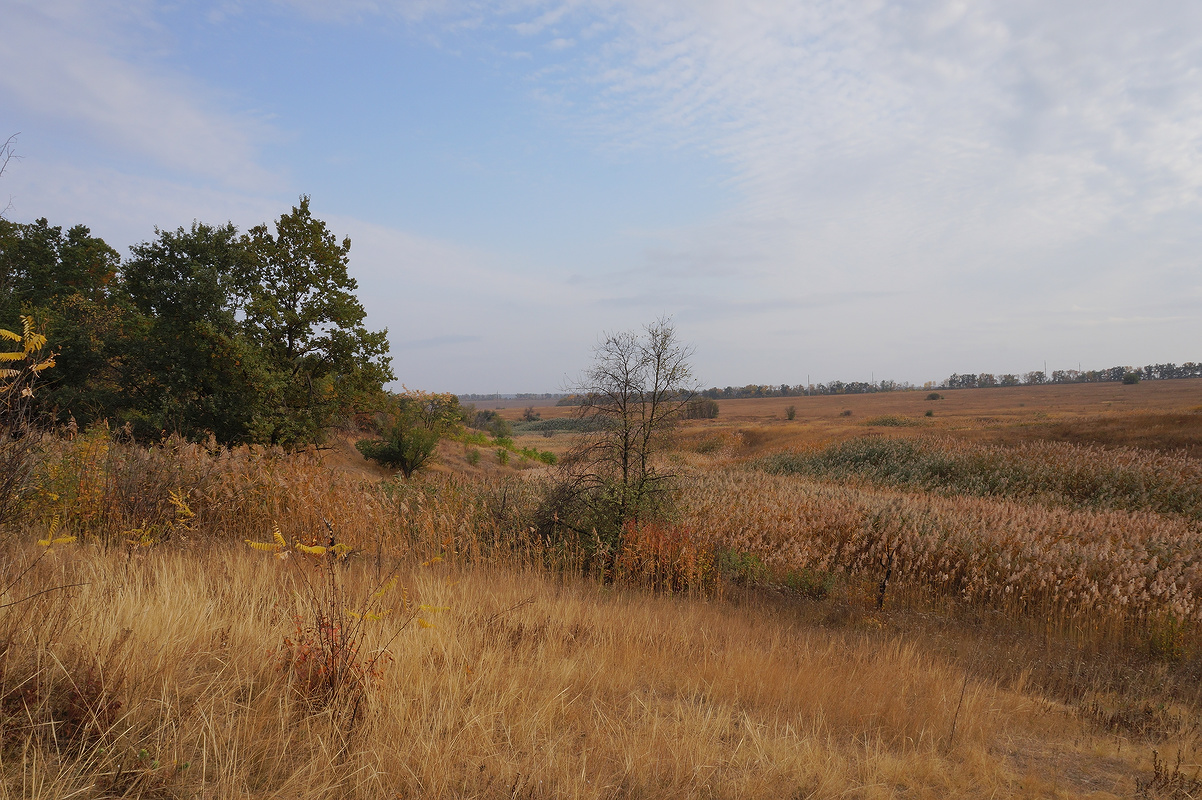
(811,583)
(1131,378)
(502,456)
(934,396)
(790,412)
(743,568)
(892,421)
(701,408)
(929,413)
(473,456)
(845,412)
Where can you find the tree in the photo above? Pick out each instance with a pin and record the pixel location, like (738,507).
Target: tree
(68,283)
(190,369)
(410,429)
(302,312)
(638,387)
(7,154)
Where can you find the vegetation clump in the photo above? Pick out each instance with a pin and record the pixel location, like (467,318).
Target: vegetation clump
(639,386)
(1072,475)
(410,429)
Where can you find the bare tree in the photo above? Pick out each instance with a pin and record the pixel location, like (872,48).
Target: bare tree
(7,153)
(633,395)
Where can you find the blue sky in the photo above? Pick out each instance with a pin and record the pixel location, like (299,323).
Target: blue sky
(832,190)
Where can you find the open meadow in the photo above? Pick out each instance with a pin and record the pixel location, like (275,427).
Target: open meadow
(1002,598)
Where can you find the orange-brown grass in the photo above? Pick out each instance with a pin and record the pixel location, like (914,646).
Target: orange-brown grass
(166,676)
(1163,415)
(1166,432)
(120,494)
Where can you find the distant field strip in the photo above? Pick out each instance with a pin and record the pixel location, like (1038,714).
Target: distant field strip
(1020,557)
(1058,474)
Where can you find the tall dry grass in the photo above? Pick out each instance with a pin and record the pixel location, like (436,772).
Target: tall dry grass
(171,674)
(1093,569)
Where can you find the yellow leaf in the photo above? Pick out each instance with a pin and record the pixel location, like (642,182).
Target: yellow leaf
(385,589)
(279,537)
(269,547)
(312,551)
(425,624)
(11,356)
(12,337)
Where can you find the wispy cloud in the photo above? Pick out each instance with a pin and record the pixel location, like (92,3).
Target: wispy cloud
(75,62)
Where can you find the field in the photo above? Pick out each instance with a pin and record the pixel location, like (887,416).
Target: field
(1001,599)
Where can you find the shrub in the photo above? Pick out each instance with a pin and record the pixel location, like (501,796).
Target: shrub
(701,408)
(473,456)
(20,371)
(790,412)
(929,413)
(934,396)
(892,421)
(1131,378)
(410,430)
(845,412)
(666,558)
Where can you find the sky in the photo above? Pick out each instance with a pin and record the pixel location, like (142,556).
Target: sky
(811,191)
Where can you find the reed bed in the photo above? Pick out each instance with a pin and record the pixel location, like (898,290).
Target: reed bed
(1095,567)
(1078,476)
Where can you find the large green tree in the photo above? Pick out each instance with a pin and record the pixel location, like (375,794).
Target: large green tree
(254,338)
(192,369)
(67,282)
(303,314)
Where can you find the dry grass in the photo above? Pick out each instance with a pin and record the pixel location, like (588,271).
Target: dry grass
(1161,415)
(186,664)
(526,686)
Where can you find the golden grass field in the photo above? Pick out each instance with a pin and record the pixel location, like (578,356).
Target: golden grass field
(1038,635)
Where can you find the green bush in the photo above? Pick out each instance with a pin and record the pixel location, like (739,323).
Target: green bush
(790,412)
(744,568)
(701,408)
(811,583)
(892,421)
(410,429)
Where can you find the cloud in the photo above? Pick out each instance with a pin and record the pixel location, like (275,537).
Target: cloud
(436,341)
(72,62)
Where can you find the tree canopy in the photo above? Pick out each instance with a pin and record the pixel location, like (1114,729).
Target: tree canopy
(255,337)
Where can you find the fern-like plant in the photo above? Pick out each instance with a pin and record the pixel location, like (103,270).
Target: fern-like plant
(20,370)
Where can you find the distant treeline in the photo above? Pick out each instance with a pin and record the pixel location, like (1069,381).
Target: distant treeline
(518,396)
(1151,372)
